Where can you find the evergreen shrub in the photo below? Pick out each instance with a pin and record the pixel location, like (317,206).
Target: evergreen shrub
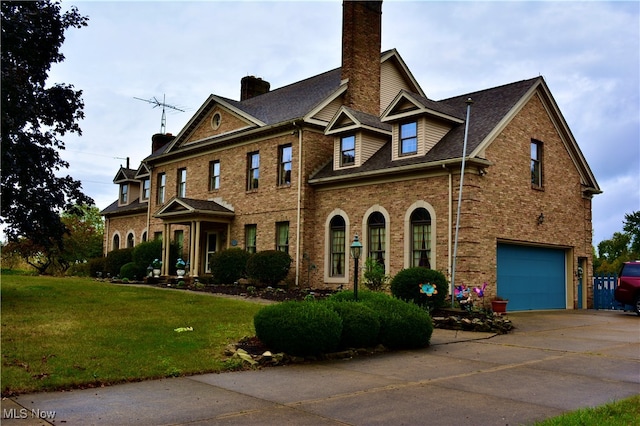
(298,328)
(97,264)
(406,286)
(228,266)
(360,324)
(117,258)
(402,324)
(132,271)
(144,253)
(269,266)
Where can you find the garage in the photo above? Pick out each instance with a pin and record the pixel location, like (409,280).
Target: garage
(531,277)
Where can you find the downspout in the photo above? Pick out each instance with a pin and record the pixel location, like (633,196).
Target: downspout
(149,203)
(450,226)
(299,208)
(455,244)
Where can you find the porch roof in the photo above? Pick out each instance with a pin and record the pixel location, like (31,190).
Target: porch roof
(180,207)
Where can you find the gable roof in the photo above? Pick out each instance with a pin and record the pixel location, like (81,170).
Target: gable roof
(283,105)
(490,106)
(178,207)
(348,119)
(125,175)
(492,110)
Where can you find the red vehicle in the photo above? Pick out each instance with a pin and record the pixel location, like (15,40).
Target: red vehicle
(628,289)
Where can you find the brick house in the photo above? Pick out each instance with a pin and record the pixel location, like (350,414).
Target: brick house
(362,150)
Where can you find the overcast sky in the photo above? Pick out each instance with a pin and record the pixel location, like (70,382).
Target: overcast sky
(588,53)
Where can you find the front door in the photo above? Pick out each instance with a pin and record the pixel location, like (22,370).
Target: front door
(212,246)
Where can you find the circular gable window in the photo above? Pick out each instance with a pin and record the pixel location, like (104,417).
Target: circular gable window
(215,120)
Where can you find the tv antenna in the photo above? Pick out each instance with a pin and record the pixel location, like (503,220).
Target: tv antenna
(156,103)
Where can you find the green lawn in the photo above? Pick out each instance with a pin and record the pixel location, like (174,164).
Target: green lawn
(624,412)
(60,333)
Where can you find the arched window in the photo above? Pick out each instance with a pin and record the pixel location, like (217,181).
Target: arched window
(130,242)
(144,236)
(116,242)
(337,243)
(420,237)
(376,241)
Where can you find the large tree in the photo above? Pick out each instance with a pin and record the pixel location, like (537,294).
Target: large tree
(34,118)
(631,226)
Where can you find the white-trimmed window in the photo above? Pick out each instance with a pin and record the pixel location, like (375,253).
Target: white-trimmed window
(376,243)
(284,165)
(282,236)
(253,170)
(146,189)
(347,150)
(162,187)
(124,193)
(536,163)
(420,238)
(182,182)
(408,138)
(337,235)
(250,237)
(214,175)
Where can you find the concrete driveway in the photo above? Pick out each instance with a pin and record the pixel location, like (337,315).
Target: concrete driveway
(555,361)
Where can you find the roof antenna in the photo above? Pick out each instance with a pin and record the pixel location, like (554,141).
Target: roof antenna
(163,104)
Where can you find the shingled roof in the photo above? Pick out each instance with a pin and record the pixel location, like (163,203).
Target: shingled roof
(292,101)
(490,106)
(134,207)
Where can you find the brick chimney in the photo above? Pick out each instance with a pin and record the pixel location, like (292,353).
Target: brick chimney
(159,140)
(361,44)
(251,86)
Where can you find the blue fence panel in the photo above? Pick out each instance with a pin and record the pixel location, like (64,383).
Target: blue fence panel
(603,287)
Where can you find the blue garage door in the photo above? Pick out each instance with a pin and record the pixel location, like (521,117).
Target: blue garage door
(531,277)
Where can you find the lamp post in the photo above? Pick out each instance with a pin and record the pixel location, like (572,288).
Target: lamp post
(356,250)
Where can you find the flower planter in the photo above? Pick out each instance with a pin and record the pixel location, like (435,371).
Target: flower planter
(156,272)
(180,272)
(499,306)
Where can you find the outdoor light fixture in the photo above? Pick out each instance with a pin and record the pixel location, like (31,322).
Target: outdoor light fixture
(356,251)
(541,219)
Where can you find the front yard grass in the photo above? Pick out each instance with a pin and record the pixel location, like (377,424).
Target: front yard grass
(623,412)
(63,333)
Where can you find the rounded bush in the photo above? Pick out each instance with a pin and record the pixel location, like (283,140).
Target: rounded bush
(144,253)
(269,267)
(97,264)
(360,324)
(402,324)
(117,258)
(132,271)
(228,266)
(363,296)
(406,286)
(298,328)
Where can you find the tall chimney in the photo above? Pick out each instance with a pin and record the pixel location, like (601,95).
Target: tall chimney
(159,140)
(361,44)
(251,86)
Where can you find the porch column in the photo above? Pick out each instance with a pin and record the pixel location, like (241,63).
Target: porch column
(192,244)
(166,243)
(196,250)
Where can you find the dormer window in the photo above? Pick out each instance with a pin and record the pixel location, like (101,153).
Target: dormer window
(146,189)
(347,150)
(409,138)
(124,193)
